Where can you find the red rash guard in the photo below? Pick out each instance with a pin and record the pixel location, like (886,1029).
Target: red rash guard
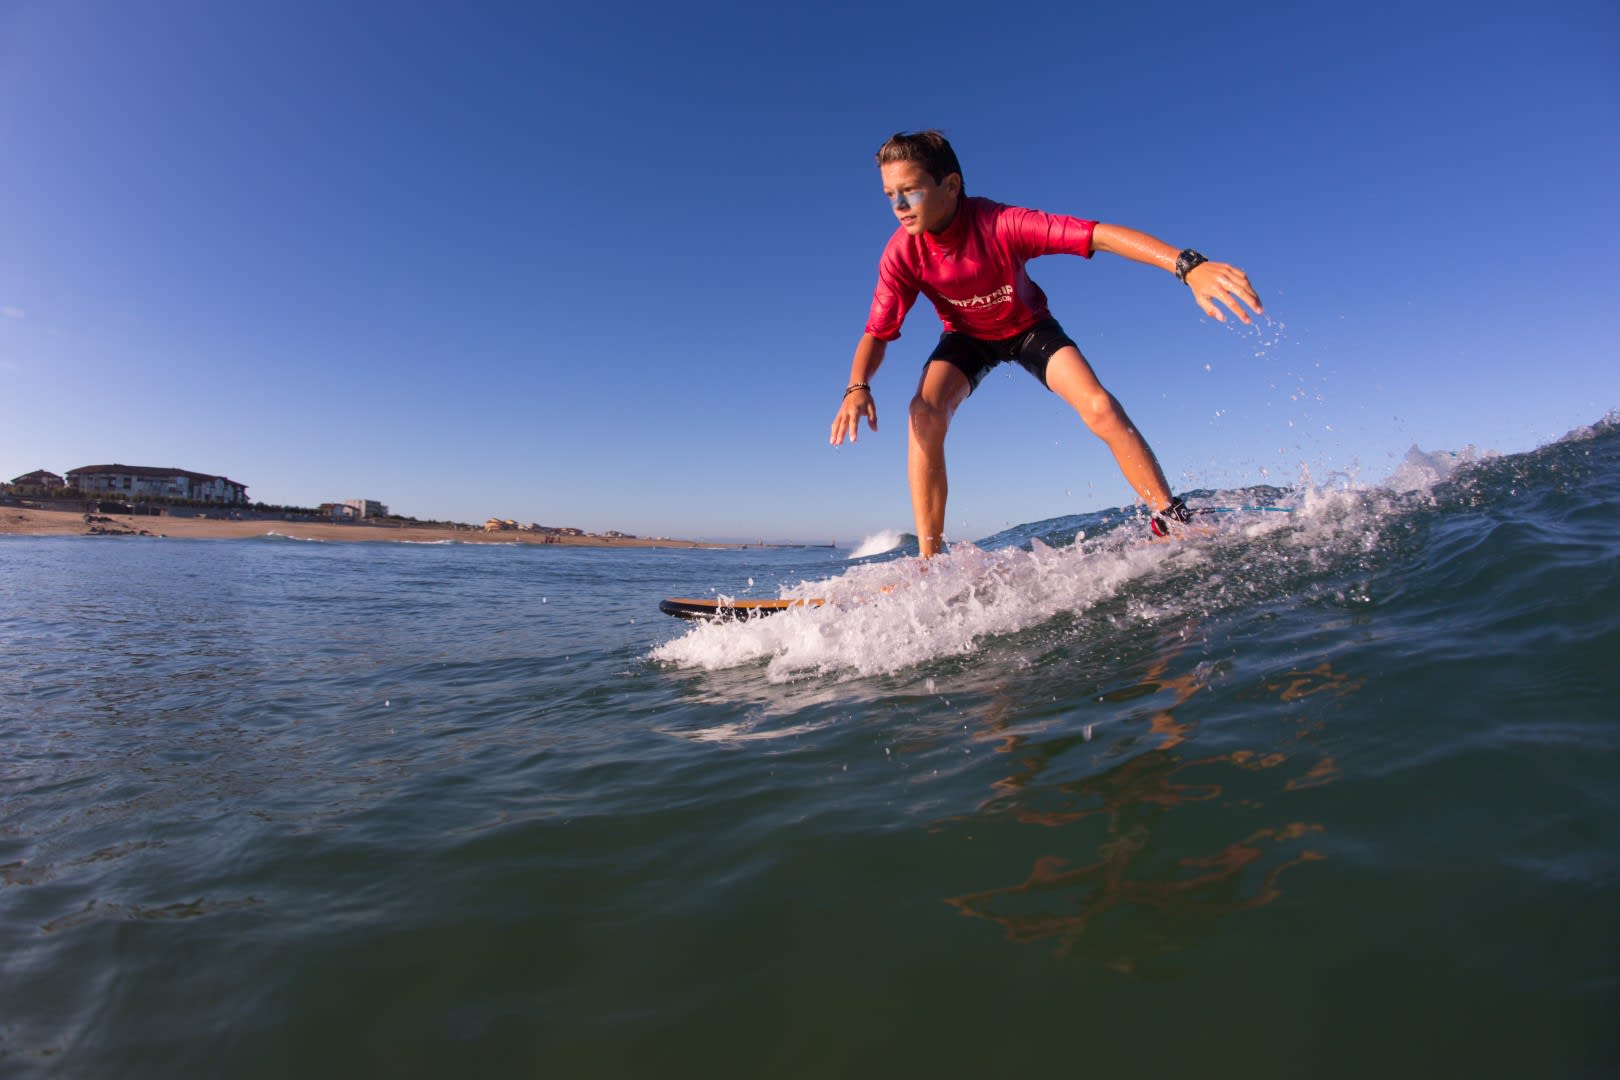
(974,270)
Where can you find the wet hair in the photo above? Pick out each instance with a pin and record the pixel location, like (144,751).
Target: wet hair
(930,149)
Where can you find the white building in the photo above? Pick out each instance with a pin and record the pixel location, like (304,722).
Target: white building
(141,481)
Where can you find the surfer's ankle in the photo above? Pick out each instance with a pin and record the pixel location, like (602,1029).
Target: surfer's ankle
(1175,512)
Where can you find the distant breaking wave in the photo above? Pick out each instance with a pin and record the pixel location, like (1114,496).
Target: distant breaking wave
(883,543)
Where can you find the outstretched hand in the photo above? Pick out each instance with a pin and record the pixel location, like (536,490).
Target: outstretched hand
(1215,281)
(857,403)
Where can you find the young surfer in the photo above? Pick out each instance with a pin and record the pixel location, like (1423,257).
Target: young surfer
(967,256)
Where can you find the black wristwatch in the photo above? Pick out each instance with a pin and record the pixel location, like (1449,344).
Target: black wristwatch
(1185,262)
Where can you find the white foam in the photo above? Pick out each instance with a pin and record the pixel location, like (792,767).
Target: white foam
(889,616)
(746,731)
(1421,470)
(878,543)
(1607,422)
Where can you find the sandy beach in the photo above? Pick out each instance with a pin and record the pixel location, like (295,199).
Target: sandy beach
(29,522)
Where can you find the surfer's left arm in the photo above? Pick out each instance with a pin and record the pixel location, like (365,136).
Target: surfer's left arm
(1209,281)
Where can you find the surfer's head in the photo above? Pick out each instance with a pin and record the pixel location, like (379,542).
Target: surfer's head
(930,149)
(922,179)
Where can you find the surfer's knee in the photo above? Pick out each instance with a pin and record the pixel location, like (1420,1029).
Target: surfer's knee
(1102,413)
(929,421)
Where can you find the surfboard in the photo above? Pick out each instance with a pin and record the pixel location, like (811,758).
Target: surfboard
(684,608)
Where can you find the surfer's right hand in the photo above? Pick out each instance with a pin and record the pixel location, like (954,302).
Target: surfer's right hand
(857,403)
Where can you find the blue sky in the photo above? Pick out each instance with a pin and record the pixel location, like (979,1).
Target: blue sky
(607,268)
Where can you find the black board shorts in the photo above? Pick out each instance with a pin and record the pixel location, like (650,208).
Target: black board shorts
(974,357)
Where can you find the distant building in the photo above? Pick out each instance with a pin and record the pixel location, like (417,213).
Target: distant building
(39,480)
(336,511)
(132,481)
(366,508)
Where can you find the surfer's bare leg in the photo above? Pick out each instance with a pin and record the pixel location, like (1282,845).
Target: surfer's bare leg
(1071,378)
(940,391)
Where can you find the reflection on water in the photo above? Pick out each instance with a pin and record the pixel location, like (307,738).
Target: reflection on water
(95,910)
(1152,883)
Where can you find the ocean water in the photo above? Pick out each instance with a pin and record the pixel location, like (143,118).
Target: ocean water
(1330,792)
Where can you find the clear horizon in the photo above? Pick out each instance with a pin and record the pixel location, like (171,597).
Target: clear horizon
(606,269)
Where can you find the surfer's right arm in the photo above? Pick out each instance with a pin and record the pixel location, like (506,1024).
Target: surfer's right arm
(858,396)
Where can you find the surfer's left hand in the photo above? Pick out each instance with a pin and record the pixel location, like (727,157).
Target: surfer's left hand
(1212,281)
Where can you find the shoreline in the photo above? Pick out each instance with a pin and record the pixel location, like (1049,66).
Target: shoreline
(23,521)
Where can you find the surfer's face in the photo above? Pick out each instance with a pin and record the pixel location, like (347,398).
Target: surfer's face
(919,202)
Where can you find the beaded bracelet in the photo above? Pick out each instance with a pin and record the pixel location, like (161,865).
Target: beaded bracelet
(857,386)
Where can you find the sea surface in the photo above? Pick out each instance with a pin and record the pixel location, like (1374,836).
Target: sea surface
(1331,792)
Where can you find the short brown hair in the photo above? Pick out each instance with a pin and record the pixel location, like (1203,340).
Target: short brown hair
(930,149)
